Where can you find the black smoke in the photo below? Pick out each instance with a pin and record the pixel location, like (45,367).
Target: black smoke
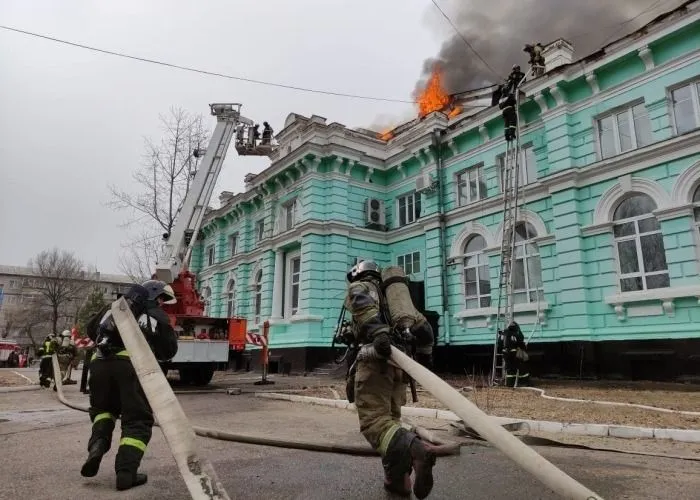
(498,30)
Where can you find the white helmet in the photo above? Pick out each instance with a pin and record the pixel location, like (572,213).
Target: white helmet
(66,333)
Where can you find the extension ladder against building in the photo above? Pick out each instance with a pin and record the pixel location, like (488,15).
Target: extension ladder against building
(510,179)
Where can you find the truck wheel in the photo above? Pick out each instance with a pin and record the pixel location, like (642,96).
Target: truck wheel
(186,375)
(202,375)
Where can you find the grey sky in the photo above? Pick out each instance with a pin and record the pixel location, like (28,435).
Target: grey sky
(73,121)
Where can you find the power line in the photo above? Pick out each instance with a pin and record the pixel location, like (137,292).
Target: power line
(647,9)
(204,72)
(465,40)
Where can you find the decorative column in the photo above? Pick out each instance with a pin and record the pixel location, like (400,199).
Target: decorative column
(278,285)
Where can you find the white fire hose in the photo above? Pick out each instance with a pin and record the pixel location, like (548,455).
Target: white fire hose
(520,453)
(198,473)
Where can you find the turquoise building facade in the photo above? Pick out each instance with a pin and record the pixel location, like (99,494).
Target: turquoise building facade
(607,264)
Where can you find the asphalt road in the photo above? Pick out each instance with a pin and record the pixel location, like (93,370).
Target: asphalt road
(43,444)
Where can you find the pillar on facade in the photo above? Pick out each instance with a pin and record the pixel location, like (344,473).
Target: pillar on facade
(278,285)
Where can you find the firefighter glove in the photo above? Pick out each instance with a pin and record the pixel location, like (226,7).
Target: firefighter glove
(382,345)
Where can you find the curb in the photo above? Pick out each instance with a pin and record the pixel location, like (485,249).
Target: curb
(599,430)
(19,388)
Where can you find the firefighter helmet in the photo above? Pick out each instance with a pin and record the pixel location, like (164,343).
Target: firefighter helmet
(160,289)
(362,269)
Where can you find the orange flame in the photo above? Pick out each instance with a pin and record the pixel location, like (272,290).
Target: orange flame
(386,134)
(433,97)
(454,111)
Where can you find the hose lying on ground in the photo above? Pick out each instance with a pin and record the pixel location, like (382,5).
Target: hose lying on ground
(611,403)
(511,446)
(346,449)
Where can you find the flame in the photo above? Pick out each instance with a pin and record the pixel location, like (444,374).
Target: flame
(454,112)
(386,134)
(433,97)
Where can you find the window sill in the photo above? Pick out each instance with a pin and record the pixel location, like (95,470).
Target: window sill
(666,296)
(489,313)
(305,318)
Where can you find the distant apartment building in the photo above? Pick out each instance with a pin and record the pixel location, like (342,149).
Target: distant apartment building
(20,285)
(607,266)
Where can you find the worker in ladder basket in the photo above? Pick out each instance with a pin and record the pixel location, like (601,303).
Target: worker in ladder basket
(516,357)
(378,386)
(115,388)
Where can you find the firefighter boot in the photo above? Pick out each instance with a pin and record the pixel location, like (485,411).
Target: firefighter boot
(423,461)
(95,454)
(405,452)
(127,479)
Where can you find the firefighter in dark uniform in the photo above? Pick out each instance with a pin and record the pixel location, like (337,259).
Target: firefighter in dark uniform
(507,102)
(516,357)
(45,365)
(378,386)
(115,389)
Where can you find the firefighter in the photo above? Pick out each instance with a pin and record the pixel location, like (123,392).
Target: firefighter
(115,389)
(267,133)
(66,352)
(45,365)
(379,388)
(510,116)
(516,357)
(536,61)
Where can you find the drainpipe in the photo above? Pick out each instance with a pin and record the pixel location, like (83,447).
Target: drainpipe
(437,144)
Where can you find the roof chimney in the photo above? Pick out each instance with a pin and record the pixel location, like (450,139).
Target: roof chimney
(558,53)
(224,197)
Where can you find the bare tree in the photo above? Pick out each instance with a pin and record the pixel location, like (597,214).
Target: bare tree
(163,179)
(62,283)
(26,317)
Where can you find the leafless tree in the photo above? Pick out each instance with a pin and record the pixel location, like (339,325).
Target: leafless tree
(26,317)
(62,283)
(163,181)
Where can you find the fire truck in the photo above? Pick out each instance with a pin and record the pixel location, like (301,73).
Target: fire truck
(204,342)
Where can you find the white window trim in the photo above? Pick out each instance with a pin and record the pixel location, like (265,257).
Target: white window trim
(480,169)
(292,205)
(258,236)
(233,251)
(694,97)
(526,258)
(288,311)
(410,254)
(637,237)
(625,108)
(257,296)
(500,161)
(665,295)
(206,298)
(415,196)
(231,297)
(465,257)
(490,313)
(211,255)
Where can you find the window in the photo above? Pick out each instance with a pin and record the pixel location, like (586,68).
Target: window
(686,107)
(293,279)
(624,130)
(409,262)
(206,297)
(527,167)
(289,215)
(210,255)
(231,299)
(258,298)
(527,270)
(260,230)
(2,294)
(477,285)
(471,185)
(640,245)
(13,284)
(232,244)
(696,210)
(408,208)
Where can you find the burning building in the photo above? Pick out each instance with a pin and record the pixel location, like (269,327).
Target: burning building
(606,270)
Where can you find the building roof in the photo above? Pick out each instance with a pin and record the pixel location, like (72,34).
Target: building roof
(91,276)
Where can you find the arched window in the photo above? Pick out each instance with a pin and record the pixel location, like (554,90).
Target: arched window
(231,299)
(640,245)
(527,270)
(696,207)
(206,297)
(258,297)
(477,286)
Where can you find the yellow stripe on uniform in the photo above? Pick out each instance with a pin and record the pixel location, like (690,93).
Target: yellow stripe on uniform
(123,354)
(103,416)
(136,443)
(386,438)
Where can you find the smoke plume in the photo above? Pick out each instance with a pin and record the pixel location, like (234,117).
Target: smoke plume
(498,30)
